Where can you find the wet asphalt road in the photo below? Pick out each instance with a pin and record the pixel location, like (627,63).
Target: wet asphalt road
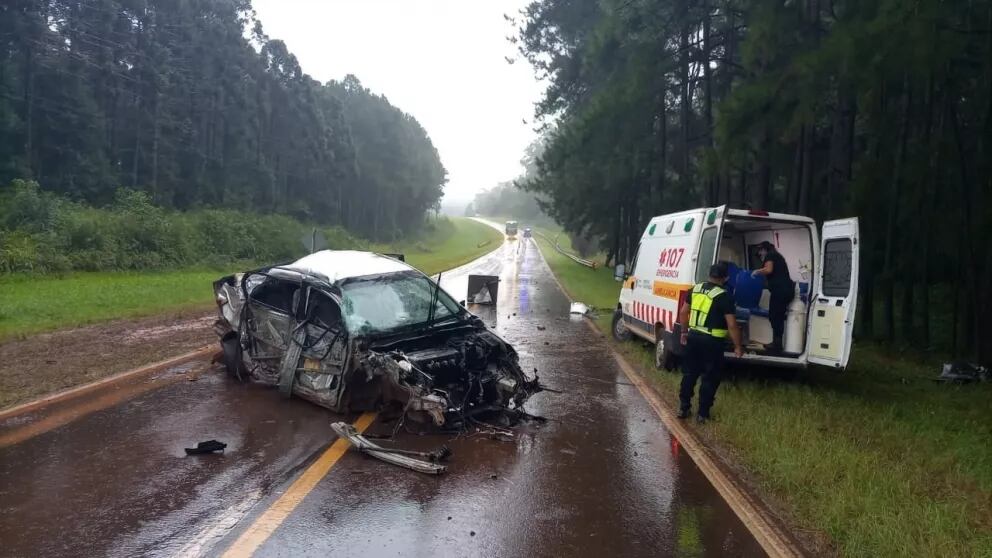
(601,477)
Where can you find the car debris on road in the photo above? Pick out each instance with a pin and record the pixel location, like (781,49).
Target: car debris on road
(578,308)
(427,464)
(210,446)
(963,373)
(357,331)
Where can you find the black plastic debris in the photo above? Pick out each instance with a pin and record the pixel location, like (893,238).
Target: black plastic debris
(541,328)
(963,373)
(210,446)
(483,289)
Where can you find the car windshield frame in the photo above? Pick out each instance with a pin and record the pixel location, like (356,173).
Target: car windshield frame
(363,298)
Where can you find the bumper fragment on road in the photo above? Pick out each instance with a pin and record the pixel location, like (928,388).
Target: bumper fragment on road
(362,444)
(272,518)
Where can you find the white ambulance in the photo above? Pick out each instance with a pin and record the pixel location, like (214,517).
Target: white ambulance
(677,250)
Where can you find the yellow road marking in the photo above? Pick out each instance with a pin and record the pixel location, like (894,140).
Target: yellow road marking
(269,521)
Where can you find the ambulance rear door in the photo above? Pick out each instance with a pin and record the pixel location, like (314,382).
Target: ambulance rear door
(835,298)
(709,241)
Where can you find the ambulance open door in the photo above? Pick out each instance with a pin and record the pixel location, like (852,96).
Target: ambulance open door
(836,295)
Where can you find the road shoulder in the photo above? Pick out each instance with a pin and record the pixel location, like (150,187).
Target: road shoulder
(51,362)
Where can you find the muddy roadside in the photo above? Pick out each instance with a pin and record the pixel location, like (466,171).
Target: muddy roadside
(49,362)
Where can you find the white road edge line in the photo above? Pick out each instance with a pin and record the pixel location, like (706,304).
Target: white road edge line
(769,535)
(78,390)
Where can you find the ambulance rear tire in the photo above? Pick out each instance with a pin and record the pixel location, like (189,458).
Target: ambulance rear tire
(664,359)
(619,329)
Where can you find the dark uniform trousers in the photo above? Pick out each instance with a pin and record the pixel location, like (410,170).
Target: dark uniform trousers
(703,357)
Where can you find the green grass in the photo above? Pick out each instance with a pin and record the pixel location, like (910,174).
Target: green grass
(876,461)
(454,241)
(594,287)
(33,304)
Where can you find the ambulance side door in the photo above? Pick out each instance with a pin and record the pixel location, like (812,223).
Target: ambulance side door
(834,301)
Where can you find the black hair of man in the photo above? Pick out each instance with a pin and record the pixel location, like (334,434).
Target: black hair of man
(719,270)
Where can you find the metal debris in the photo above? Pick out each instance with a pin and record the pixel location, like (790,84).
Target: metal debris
(963,373)
(578,308)
(394,456)
(483,289)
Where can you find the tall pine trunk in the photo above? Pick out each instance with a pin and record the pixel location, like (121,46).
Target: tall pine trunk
(888,272)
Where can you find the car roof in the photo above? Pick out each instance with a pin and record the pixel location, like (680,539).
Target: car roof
(335,265)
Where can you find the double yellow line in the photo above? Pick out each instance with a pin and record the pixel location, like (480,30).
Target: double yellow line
(269,521)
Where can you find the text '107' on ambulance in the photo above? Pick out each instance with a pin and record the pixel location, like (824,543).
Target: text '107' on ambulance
(677,250)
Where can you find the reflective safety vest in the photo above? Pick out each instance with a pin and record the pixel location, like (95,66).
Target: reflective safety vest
(700,303)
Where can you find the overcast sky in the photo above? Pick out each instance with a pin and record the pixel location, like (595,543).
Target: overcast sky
(443,61)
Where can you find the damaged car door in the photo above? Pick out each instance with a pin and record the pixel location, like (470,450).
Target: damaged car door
(291,334)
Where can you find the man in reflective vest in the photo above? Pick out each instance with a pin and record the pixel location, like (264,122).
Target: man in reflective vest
(707,321)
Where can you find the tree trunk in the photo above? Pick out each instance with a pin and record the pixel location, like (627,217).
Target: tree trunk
(137,142)
(685,101)
(712,192)
(841,151)
(155,136)
(906,311)
(806,177)
(866,309)
(890,228)
(927,202)
(792,196)
(29,110)
(760,197)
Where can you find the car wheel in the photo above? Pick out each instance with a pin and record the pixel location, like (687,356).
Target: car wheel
(620,331)
(663,357)
(232,355)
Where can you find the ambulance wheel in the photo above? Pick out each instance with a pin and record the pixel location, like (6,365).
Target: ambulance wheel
(663,357)
(619,329)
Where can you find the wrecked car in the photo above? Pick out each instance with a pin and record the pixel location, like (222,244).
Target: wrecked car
(356,331)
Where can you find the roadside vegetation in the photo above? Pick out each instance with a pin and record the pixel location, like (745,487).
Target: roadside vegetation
(195,105)
(875,461)
(64,264)
(812,108)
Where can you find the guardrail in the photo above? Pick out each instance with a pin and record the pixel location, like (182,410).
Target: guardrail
(588,263)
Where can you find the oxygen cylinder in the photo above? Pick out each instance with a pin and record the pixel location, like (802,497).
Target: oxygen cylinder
(795,326)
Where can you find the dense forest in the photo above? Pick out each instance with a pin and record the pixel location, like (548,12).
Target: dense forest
(876,108)
(191,103)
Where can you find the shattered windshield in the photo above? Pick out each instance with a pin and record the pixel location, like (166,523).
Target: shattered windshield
(390,302)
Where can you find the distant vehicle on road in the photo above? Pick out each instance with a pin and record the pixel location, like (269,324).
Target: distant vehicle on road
(677,250)
(527,232)
(351,331)
(511,229)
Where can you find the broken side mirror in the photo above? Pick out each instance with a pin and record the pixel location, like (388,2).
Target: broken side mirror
(619,273)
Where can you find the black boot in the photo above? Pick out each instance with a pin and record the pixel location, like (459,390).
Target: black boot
(683,413)
(776,346)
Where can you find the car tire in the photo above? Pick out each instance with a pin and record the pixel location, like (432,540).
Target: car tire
(664,359)
(233,361)
(618,328)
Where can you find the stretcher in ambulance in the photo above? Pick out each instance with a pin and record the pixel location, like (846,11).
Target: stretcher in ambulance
(677,250)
